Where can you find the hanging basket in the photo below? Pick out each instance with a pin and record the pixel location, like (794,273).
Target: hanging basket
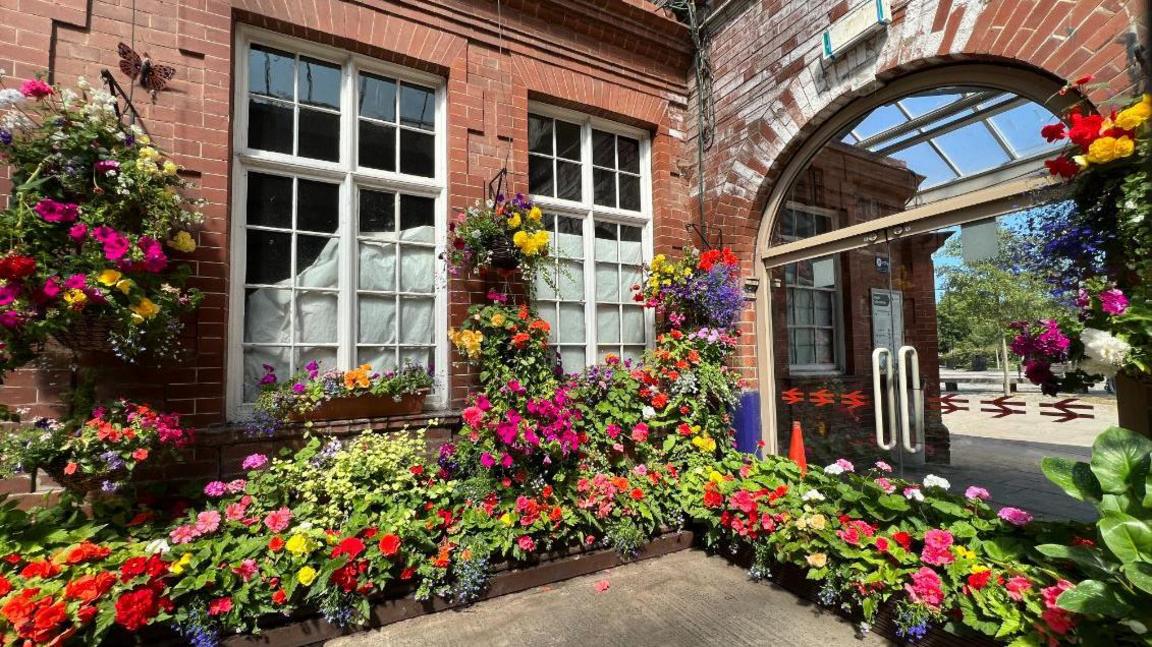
(79,484)
(504,254)
(88,334)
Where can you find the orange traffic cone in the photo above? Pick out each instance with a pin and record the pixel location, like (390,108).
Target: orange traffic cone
(796,448)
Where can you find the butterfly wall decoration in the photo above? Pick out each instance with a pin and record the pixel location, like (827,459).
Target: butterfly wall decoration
(153,77)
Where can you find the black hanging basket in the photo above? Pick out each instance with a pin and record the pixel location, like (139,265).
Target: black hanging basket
(89,333)
(504,256)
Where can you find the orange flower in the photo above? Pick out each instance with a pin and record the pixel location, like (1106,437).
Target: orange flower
(523,314)
(540,324)
(520,339)
(358,377)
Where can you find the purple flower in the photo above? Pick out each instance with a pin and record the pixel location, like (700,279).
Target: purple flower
(53,211)
(254,461)
(313,369)
(487,461)
(298,388)
(5,136)
(269,375)
(1015,516)
(215,489)
(1113,301)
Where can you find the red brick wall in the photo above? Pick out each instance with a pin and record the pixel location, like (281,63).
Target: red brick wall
(616,58)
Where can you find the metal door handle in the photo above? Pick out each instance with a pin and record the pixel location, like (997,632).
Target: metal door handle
(909,360)
(879,392)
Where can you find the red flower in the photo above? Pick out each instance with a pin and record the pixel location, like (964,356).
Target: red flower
(1053,132)
(352,547)
(659,401)
(47,617)
(903,538)
(637,494)
(16,267)
(977,581)
(557,514)
(1084,80)
(276,544)
(137,608)
(546,492)
(43,569)
(133,567)
(279,597)
(220,606)
(712,497)
(140,454)
(88,588)
(407,573)
(20,608)
(1085,129)
(389,545)
(416,469)
(5,586)
(345,577)
(1062,166)
(70,468)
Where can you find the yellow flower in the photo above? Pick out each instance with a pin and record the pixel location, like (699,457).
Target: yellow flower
(704,443)
(1130,118)
(180,564)
(497,320)
(306,575)
(520,238)
(108,277)
(514,221)
(1106,149)
(977,568)
(146,308)
(817,522)
(716,477)
(148,153)
(75,297)
(183,242)
(964,552)
(299,544)
(507,519)
(125,286)
(137,319)
(817,560)
(468,341)
(535,215)
(170,167)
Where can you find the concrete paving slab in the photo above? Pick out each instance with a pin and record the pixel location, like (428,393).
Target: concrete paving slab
(687,599)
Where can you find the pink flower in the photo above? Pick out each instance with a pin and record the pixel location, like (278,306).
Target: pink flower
(526,543)
(613,430)
(220,606)
(937,548)
(207,522)
(35,89)
(278,520)
(236,486)
(182,534)
(11,319)
(115,244)
(215,489)
(78,232)
(103,166)
(8,293)
(1015,516)
(506,461)
(51,289)
(640,433)
(497,297)
(1017,586)
(246,569)
(976,492)
(885,485)
(155,260)
(925,588)
(53,211)
(254,462)
(1057,619)
(473,416)
(846,465)
(1113,302)
(76,282)
(487,461)
(883,467)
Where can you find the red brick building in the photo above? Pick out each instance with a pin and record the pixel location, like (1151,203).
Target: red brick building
(375,121)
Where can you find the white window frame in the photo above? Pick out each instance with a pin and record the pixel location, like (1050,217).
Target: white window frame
(589,213)
(837,365)
(350,178)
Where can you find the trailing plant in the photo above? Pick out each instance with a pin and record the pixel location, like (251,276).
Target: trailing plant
(500,234)
(507,342)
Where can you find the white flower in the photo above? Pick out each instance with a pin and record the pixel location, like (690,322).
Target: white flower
(648,412)
(834,469)
(10,97)
(157,547)
(812,495)
(913,494)
(1104,353)
(82,83)
(932,480)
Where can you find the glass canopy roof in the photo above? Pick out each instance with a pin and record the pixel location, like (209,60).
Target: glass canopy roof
(960,139)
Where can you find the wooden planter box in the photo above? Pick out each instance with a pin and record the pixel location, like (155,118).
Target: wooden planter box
(365,406)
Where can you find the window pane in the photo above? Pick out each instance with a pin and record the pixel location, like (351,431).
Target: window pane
(803,346)
(417,106)
(633,353)
(417,267)
(269,200)
(377,97)
(377,319)
(319,83)
(255,357)
(319,136)
(629,278)
(633,325)
(568,180)
(571,280)
(317,206)
(266,315)
(573,358)
(605,241)
(539,135)
(417,153)
(377,266)
(380,359)
(269,125)
(567,140)
(417,357)
(607,282)
(416,320)
(548,313)
(570,237)
(317,262)
(824,351)
(631,246)
(608,324)
(325,356)
(571,328)
(540,175)
(823,308)
(629,192)
(270,72)
(603,149)
(604,187)
(268,257)
(803,307)
(544,291)
(628,151)
(377,146)
(417,218)
(316,317)
(377,213)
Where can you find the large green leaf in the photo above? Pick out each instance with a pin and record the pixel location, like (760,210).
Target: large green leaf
(1090,560)
(1093,596)
(1129,538)
(1140,575)
(1119,459)
(1073,477)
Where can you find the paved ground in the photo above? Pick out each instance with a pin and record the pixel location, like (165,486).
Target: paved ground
(686,599)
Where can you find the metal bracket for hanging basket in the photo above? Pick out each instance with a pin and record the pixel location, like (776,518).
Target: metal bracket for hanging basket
(118,93)
(496,185)
(704,233)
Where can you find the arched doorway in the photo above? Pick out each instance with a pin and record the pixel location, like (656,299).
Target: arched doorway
(891,251)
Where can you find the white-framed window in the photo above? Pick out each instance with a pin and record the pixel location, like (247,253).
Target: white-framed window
(338,214)
(592,179)
(813,294)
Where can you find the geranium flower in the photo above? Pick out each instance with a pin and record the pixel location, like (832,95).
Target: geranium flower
(937,547)
(975,492)
(931,480)
(1113,302)
(254,462)
(526,543)
(35,89)
(389,545)
(278,520)
(925,588)
(1015,516)
(351,546)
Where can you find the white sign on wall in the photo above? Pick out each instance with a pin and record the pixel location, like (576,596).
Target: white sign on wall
(860,21)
